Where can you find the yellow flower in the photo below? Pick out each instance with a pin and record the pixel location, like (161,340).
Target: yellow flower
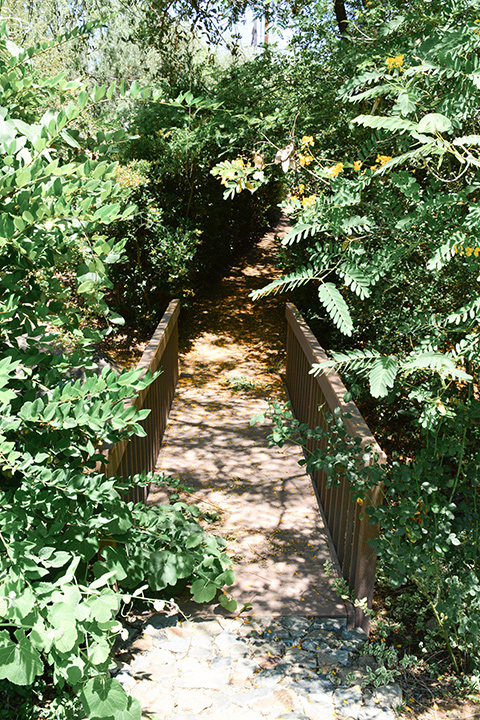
(302,160)
(382,159)
(301,189)
(393,62)
(357,165)
(335,170)
(310,200)
(477,251)
(468,251)
(307,140)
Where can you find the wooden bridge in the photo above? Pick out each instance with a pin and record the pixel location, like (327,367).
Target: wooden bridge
(345,527)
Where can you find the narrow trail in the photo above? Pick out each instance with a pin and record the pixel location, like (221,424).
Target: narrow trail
(288,656)
(231,361)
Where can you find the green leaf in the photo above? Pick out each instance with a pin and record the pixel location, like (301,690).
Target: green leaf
(19,662)
(434,122)
(104,607)
(382,375)
(393,123)
(102,580)
(445,252)
(203,591)
(229,604)
(133,711)
(167,568)
(98,652)
(7,655)
(61,617)
(332,300)
(103,697)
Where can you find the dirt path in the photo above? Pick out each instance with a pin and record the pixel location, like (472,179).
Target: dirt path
(231,361)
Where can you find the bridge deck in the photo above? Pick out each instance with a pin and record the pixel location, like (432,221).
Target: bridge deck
(264,501)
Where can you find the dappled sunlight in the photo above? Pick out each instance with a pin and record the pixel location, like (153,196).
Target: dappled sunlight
(255,496)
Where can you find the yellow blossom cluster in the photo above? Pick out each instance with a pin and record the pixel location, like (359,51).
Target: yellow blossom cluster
(301,189)
(307,140)
(304,159)
(357,165)
(395,62)
(383,159)
(468,250)
(335,170)
(310,200)
(380,160)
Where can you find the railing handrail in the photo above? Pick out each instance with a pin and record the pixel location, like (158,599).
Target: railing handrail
(152,355)
(347,526)
(150,360)
(332,386)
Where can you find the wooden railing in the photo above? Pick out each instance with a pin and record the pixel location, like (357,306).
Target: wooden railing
(138,454)
(311,397)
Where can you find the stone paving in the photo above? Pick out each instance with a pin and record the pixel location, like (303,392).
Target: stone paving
(287,668)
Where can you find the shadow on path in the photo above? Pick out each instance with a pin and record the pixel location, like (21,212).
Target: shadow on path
(264,503)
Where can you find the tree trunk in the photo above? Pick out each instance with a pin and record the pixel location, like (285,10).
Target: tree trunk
(341,15)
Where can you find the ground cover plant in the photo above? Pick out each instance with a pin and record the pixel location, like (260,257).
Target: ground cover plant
(72,551)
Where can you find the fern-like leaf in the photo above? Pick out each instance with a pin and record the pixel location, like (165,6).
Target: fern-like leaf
(393,123)
(470,310)
(467,140)
(357,360)
(436,362)
(335,305)
(287,282)
(445,252)
(372,93)
(382,375)
(356,280)
(356,224)
(300,232)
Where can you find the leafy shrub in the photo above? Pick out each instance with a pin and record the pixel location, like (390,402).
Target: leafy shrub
(69,542)
(184,235)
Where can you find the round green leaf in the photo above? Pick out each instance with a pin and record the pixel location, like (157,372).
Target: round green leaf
(434,122)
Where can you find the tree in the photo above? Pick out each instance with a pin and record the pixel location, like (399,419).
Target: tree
(59,593)
(387,236)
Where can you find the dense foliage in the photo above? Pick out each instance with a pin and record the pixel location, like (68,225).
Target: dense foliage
(184,236)
(387,233)
(368,123)
(72,550)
